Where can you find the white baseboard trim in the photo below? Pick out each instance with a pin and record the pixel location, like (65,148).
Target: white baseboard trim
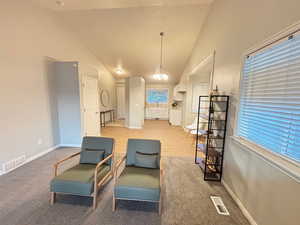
(41,154)
(240,204)
(131,127)
(153,118)
(69,145)
(33,158)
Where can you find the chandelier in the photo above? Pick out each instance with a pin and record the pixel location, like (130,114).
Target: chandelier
(160,75)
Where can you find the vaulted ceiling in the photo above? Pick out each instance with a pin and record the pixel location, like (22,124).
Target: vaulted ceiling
(125,33)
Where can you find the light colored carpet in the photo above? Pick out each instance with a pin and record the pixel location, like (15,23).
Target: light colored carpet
(25,199)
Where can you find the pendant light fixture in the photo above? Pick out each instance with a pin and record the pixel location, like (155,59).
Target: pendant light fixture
(161,75)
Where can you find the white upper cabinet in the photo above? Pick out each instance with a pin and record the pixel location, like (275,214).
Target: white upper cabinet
(179,90)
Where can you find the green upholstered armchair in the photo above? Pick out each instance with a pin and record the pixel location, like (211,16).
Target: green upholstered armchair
(141,178)
(94,170)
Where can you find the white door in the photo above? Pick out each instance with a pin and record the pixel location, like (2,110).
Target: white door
(91,106)
(121,102)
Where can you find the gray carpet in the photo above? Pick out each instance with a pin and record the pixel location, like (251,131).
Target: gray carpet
(25,199)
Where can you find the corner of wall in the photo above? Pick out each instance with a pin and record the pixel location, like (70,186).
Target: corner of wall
(240,204)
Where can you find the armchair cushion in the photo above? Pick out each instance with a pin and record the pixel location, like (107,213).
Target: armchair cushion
(91,156)
(99,144)
(142,146)
(136,183)
(146,160)
(78,180)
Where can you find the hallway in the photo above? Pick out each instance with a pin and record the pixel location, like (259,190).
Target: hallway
(175,142)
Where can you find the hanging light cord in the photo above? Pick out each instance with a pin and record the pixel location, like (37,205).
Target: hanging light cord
(161,50)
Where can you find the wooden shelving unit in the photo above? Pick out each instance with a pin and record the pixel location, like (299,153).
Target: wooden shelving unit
(212,115)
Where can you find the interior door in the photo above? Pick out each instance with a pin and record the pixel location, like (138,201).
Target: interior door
(121,102)
(91,106)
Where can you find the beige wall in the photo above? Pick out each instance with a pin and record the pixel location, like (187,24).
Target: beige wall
(189,116)
(232,27)
(28,35)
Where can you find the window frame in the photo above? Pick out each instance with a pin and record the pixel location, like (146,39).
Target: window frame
(291,166)
(158,88)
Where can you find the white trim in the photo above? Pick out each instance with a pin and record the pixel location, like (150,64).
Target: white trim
(34,157)
(203,63)
(133,127)
(284,165)
(40,154)
(69,145)
(290,29)
(240,204)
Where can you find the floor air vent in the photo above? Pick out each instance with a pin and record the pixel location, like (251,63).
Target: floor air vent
(219,205)
(13,164)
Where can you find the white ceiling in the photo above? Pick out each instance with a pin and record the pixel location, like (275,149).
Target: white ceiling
(110,4)
(125,33)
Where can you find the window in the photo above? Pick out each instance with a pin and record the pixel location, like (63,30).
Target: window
(270,98)
(158,95)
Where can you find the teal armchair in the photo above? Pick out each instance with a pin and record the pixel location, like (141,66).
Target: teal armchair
(141,178)
(94,170)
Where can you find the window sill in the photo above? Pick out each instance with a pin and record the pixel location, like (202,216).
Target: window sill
(286,166)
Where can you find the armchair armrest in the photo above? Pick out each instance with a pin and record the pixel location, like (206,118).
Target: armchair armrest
(161,178)
(161,189)
(96,171)
(119,163)
(63,160)
(161,173)
(117,167)
(103,161)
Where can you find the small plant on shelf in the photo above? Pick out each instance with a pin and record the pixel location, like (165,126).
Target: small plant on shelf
(174,105)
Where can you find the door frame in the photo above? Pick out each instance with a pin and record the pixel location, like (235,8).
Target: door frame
(83,77)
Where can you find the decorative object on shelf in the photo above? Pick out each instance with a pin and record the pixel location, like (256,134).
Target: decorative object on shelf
(161,75)
(210,150)
(215,91)
(174,104)
(104,98)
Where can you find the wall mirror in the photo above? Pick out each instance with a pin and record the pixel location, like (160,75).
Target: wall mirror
(104,98)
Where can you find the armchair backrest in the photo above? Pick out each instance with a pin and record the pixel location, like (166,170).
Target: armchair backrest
(98,144)
(145,146)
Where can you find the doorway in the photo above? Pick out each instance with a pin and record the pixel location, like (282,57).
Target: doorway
(91,109)
(120,102)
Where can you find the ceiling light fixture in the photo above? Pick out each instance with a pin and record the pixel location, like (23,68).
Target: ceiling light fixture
(161,75)
(119,71)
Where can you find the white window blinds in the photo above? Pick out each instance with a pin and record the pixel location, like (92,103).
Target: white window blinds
(270,98)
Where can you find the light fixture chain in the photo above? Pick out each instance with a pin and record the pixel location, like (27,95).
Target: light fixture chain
(161,50)
(161,75)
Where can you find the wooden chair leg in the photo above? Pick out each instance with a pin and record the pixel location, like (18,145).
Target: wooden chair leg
(114,204)
(95,201)
(160,205)
(52,198)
